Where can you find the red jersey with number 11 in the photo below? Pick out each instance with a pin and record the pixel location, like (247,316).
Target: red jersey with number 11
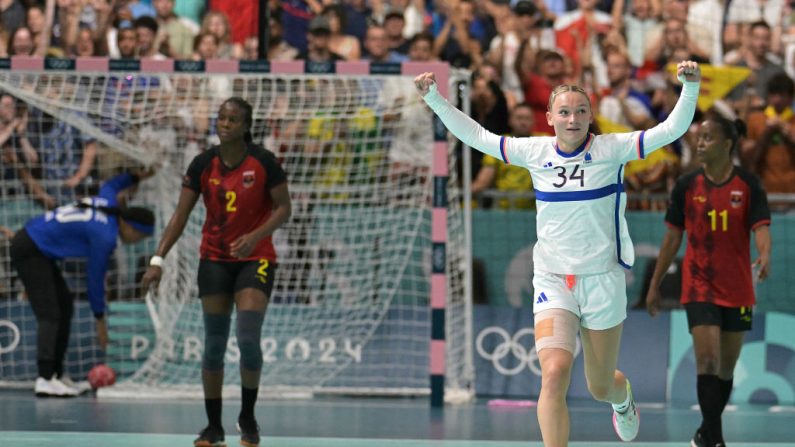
(237,200)
(718,220)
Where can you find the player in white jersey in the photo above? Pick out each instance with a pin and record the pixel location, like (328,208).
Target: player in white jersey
(583,243)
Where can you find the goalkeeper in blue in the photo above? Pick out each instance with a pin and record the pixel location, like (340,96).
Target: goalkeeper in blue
(583,244)
(87,229)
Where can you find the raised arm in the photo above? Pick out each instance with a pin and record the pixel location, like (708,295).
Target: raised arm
(457,122)
(681,116)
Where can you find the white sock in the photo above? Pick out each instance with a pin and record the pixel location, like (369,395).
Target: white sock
(624,406)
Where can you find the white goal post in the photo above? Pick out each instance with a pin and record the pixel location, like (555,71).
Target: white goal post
(351,308)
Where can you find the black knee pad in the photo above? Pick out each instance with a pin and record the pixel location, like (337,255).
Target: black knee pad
(249,330)
(216,333)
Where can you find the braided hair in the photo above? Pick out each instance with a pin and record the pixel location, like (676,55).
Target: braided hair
(248,113)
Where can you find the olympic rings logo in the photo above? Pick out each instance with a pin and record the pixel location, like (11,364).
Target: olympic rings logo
(527,355)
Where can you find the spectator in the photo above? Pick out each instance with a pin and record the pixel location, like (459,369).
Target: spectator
(146,29)
(455,43)
(242,16)
(358,16)
(177,31)
(21,43)
(504,177)
(413,15)
(538,87)
(421,48)
(770,147)
(139,9)
(205,47)
(126,41)
(218,24)
(639,25)
(346,46)
(278,48)
(38,25)
(489,107)
(513,28)
(67,156)
(756,55)
(706,27)
(621,103)
(394,23)
(12,15)
(296,15)
(577,33)
(671,46)
(742,14)
(85,46)
(376,47)
(318,42)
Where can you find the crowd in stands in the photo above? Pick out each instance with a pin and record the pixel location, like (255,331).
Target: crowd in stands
(517,50)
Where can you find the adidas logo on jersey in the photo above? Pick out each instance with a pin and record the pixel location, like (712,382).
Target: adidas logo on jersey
(542,298)
(548,164)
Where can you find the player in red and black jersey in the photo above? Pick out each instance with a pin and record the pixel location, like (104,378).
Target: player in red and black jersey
(719,206)
(245,193)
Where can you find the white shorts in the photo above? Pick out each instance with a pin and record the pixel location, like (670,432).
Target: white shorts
(600,301)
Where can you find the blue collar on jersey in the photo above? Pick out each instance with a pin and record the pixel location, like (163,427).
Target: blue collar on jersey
(576,151)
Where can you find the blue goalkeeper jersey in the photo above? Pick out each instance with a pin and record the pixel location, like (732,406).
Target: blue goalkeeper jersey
(70,231)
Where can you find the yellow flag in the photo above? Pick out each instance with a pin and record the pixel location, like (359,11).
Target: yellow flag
(716,82)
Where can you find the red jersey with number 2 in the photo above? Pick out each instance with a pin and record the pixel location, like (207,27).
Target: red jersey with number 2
(718,221)
(237,200)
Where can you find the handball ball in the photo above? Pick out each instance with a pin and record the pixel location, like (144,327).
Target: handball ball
(101,375)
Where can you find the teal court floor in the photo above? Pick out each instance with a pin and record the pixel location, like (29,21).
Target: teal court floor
(26,421)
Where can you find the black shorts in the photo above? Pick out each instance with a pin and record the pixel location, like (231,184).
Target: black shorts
(229,277)
(729,319)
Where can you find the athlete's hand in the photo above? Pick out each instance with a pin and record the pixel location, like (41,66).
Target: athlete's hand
(688,70)
(102,333)
(244,245)
(653,301)
(761,267)
(151,277)
(424,81)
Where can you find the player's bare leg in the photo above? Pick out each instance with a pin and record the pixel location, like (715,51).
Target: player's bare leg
(553,413)
(605,382)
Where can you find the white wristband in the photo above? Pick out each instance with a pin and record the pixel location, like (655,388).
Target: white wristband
(156,261)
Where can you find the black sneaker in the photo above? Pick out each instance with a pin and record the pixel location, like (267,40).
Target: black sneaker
(698,439)
(210,437)
(249,433)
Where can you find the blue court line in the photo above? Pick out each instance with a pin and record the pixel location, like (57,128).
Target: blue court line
(82,439)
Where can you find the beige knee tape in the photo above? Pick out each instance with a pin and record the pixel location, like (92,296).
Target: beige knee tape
(556,328)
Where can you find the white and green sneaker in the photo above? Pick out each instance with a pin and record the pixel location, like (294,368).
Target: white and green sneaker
(627,423)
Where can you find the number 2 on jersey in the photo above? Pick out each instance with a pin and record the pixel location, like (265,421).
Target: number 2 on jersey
(230,202)
(724,218)
(576,174)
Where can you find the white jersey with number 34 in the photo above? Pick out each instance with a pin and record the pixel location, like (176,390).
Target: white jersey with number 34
(580,200)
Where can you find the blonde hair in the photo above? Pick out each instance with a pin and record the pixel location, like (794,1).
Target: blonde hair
(565,88)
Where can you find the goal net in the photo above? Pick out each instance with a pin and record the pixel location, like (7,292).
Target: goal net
(350,310)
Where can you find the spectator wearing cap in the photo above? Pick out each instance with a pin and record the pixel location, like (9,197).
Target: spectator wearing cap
(317,38)
(394,23)
(346,46)
(278,48)
(513,27)
(376,47)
